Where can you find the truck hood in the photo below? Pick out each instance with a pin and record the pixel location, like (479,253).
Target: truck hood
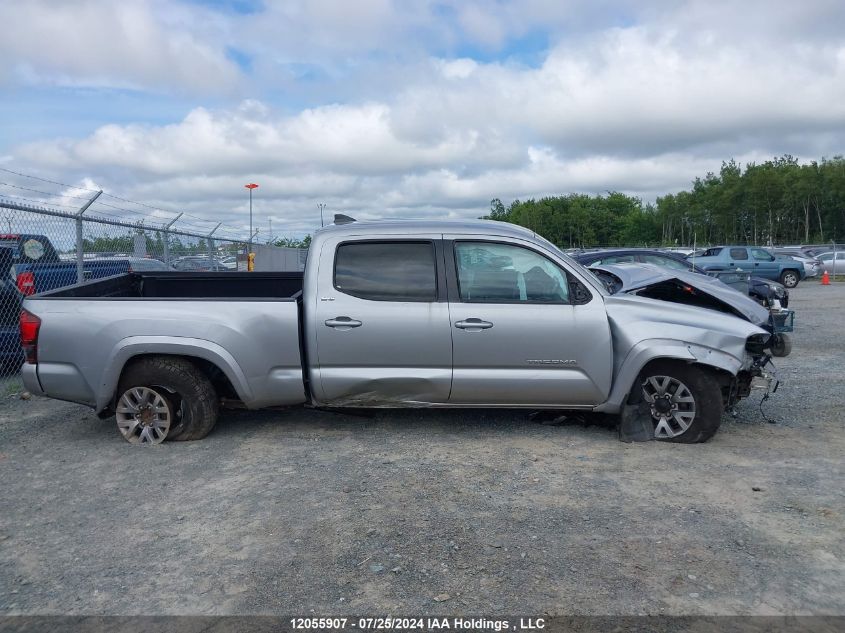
(687,288)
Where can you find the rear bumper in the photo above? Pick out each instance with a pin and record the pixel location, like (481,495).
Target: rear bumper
(61,381)
(29,375)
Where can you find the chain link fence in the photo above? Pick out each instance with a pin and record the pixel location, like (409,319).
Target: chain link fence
(42,249)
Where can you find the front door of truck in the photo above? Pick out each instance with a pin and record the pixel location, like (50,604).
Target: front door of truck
(765,264)
(382,322)
(518,336)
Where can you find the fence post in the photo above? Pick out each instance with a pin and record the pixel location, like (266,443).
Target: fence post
(210,243)
(166,231)
(80,266)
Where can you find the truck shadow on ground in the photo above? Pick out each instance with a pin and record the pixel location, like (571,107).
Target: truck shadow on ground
(463,421)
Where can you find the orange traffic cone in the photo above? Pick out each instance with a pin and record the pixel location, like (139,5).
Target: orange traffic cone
(825,279)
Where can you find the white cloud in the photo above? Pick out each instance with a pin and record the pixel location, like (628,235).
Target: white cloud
(129,44)
(641,107)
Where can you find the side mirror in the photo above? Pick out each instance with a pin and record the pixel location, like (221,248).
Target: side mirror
(578,294)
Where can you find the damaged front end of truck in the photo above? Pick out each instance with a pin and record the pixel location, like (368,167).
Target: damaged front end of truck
(683,318)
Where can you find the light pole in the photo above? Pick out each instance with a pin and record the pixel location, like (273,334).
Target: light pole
(250,186)
(321,206)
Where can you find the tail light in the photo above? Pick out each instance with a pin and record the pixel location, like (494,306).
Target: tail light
(26,283)
(30,324)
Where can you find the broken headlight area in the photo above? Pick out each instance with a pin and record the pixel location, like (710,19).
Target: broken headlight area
(757,344)
(760,374)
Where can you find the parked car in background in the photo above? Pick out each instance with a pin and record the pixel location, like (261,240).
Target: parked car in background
(139,264)
(814,250)
(199,263)
(37,266)
(831,266)
(753,259)
(764,291)
(812,265)
(229,263)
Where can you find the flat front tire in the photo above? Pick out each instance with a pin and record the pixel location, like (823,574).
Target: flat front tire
(164,398)
(683,401)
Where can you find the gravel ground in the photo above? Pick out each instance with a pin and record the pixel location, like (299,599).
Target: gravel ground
(435,512)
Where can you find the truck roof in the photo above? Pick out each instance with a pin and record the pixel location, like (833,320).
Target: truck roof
(411,227)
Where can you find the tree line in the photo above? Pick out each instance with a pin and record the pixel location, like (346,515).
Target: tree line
(776,202)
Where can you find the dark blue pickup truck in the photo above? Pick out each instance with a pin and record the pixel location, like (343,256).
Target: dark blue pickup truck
(36,266)
(29,264)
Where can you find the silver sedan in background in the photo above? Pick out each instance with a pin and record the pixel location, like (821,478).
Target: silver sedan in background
(836,267)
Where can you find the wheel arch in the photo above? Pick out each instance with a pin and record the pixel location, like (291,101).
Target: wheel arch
(724,365)
(217,364)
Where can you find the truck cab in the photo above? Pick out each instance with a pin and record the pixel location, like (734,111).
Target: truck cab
(751,259)
(477,313)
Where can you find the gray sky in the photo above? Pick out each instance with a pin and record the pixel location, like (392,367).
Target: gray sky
(384,108)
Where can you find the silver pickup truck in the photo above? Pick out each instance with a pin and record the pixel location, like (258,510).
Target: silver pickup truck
(390,314)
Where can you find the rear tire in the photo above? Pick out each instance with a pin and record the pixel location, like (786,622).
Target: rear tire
(683,401)
(189,394)
(790,278)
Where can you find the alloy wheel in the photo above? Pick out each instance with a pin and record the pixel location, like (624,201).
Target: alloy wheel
(143,416)
(671,404)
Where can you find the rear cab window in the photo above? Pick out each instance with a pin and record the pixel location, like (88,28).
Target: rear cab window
(387,270)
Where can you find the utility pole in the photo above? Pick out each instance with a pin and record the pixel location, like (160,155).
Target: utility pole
(321,206)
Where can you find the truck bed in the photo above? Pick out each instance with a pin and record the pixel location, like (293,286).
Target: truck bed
(247,325)
(187,285)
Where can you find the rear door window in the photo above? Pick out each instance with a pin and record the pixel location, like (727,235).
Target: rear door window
(739,253)
(387,271)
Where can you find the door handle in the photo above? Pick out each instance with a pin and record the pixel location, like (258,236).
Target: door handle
(473,325)
(343,323)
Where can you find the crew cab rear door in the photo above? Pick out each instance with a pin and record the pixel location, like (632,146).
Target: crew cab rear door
(382,322)
(519,337)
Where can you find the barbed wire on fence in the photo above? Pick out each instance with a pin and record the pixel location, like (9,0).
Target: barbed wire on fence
(49,244)
(53,238)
